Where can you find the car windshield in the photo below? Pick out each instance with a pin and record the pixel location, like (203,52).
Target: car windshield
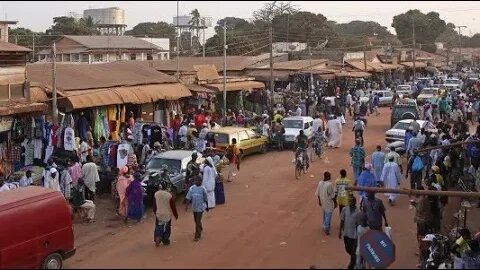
(298,124)
(404,87)
(399,111)
(429,91)
(221,138)
(174,165)
(451,81)
(401,125)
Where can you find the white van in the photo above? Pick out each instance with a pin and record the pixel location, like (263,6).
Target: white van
(294,124)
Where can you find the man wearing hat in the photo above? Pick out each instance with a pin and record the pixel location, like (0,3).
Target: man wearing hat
(52,181)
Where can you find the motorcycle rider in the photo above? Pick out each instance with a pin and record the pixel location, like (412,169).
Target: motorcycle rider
(300,146)
(358,127)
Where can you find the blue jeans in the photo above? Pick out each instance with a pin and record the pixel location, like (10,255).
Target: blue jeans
(357,170)
(327,220)
(162,231)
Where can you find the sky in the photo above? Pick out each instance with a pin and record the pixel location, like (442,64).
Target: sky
(38,16)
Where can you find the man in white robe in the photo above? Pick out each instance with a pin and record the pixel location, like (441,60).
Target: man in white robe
(391,178)
(334,130)
(208,181)
(90,178)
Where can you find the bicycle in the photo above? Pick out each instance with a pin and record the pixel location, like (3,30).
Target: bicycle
(317,149)
(300,165)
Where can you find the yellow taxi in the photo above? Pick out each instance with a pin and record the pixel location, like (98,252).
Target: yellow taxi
(248,142)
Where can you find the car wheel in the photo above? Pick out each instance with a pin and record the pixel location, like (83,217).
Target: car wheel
(53,261)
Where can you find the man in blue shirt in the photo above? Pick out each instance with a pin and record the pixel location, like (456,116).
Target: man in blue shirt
(378,160)
(376,103)
(358,159)
(197,196)
(366,179)
(408,136)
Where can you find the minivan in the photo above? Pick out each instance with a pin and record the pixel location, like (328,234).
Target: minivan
(248,141)
(36,229)
(294,124)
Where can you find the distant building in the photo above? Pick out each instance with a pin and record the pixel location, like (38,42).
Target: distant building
(101,49)
(282,47)
(163,44)
(4,29)
(109,21)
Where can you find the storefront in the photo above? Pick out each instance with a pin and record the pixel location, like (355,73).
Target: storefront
(22,136)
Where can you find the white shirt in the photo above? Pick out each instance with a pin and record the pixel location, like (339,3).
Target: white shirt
(24,181)
(317,122)
(299,111)
(4,187)
(182,132)
(265,130)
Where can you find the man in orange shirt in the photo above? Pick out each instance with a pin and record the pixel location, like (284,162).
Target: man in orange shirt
(233,155)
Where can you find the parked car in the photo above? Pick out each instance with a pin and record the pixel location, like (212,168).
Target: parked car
(386,97)
(452,83)
(404,90)
(248,141)
(397,132)
(426,94)
(294,124)
(176,161)
(404,108)
(36,229)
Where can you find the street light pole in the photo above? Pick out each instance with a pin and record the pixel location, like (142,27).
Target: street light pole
(225,71)
(54,85)
(460,42)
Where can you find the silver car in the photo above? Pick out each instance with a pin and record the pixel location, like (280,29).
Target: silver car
(176,161)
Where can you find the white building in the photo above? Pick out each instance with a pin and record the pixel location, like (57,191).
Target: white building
(101,49)
(163,44)
(281,47)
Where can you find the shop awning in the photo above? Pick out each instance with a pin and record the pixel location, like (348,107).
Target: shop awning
(90,98)
(37,94)
(417,64)
(352,74)
(167,91)
(199,88)
(330,76)
(236,86)
(131,95)
(264,75)
(18,108)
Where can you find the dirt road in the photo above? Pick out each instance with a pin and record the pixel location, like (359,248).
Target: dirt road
(270,220)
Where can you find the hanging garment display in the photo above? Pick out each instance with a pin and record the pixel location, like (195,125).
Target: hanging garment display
(29,153)
(48,153)
(38,148)
(68,141)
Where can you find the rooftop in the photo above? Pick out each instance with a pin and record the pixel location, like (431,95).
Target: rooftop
(9,47)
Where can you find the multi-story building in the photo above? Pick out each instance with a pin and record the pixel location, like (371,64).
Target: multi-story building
(101,49)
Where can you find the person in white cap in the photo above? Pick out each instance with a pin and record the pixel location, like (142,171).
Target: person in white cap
(52,180)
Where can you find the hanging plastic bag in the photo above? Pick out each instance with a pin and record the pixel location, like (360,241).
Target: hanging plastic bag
(388,231)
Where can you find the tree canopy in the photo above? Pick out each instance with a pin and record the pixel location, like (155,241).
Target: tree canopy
(427,28)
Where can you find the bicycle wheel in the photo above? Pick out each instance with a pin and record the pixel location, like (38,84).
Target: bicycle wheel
(298,171)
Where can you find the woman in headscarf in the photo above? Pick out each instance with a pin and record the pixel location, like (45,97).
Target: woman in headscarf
(134,194)
(124,180)
(334,131)
(208,181)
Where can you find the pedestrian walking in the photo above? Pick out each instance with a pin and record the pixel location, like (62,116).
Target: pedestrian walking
(366,179)
(208,181)
(378,160)
(164,208)
(391,178)
(326,199)
(357,153)
(348,228)
(362,228)
(90,178)
(79,201)
(233,155)
(375,211)
(123,181)
(415,168)
(341,194)
(422,218)
(197,196)
(134,194)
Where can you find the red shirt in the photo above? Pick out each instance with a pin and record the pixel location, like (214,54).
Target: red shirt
(199,119)
(176,123)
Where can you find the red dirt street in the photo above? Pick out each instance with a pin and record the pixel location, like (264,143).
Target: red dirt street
(270,220)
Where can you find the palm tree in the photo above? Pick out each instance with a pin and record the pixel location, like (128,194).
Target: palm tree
(195,21)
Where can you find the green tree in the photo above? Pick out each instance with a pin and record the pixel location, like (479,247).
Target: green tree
(154,30)
(28,38)
(351,34)
(242,37)
(427,28)
(473,41)
(195,21)
(305,27)
(71,26)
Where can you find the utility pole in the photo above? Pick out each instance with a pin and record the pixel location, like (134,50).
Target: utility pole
(178,45)
(414,53)
(272,81)
(460,42)
(33,47)
(225,71)
(365,52)
(203,52)
(54,85)
(288,30)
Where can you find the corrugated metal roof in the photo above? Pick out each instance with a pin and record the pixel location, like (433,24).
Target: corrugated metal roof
(37,94)
(24,107)
(264,75)
(9,47)
(199,88)
(417,64)
(292,65)
(92,76)
(113,42)
(236,86)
